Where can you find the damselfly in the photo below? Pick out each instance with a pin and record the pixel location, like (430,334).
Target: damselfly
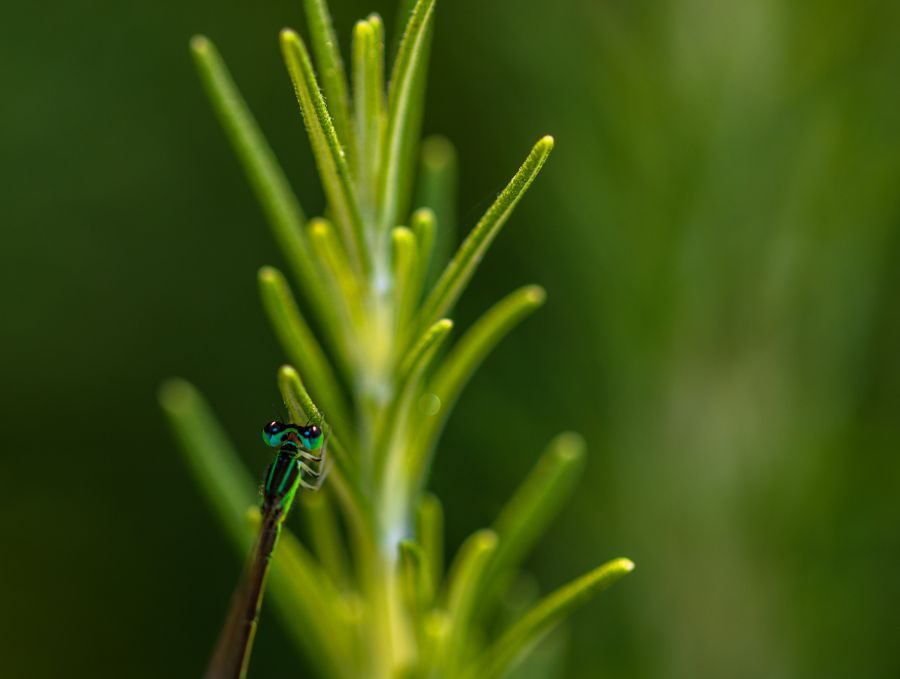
(300,461)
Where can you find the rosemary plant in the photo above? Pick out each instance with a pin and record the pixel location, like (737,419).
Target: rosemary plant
(370,595)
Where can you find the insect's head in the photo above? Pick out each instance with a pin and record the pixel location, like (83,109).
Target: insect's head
(277,433)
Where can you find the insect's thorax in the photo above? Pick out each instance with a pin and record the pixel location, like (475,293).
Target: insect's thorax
(282,476)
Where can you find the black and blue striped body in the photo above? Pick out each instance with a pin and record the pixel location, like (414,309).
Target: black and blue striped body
(281,479)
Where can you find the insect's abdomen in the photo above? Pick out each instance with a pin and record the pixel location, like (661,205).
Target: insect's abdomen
(280,480)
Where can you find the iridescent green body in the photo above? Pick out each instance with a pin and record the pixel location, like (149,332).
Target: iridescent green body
(296,445)
(297,448)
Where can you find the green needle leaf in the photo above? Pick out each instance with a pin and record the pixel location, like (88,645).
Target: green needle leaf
(377,25)
(405,261)
(405,100)
(404,14)
(327,149)
(430,533)
(304,570)
(462,591)
(415,579)
(212,460)
(518,639)
(413,370)
(417,591)
(464,359)
(331,69)
(458,273)
(279,203)
(325,535)
(538,499)
(299,343)
(528,513)
(438,179)
(368,98)
(297,399)
(393,436)
(346,292)
(422,353)
(329,248)
(423,226)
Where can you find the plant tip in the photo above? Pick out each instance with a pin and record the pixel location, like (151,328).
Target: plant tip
(268,273)
(199,43)
(438,151)
(318,226)
(423,214)
(175,393)
(569,446)
(253,517)
(288,35)
(402,233)
(535,294)
(287,370)
(486,539)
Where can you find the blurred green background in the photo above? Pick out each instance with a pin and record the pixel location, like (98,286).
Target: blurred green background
(719,234)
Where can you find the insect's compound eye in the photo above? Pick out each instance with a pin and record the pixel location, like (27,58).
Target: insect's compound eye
(272,433)
(312,437)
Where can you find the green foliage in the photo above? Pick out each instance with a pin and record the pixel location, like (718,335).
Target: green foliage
(374,601)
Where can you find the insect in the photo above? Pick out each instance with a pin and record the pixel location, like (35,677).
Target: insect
(300,461)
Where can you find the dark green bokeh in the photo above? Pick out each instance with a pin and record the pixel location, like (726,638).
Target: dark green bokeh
(719,234)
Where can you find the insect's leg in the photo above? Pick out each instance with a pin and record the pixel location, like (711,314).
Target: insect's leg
(306,455)
(318,477)
(315,484)
(312,457)
(309,469)
(317,472)
(310,478)
(325,461)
